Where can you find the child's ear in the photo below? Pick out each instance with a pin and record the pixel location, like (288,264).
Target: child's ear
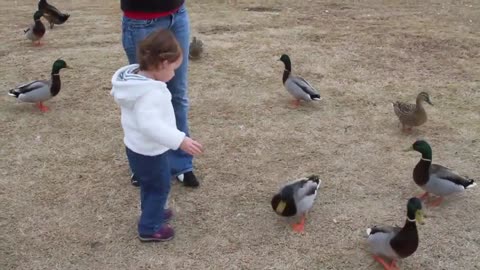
(164,64)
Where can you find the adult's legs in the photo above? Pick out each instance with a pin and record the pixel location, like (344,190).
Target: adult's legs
(133,31)
(180,161)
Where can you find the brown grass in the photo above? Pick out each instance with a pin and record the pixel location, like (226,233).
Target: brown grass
(65,193)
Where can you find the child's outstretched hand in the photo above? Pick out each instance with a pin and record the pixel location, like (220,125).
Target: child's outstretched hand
(191,146)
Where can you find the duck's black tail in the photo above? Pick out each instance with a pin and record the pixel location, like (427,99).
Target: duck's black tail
(13,93)
(315,97)
(471,183)
(64,17)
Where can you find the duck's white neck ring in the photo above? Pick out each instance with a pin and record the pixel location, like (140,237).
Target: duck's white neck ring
(425,159)
(56,74)
(411,220)
(287,70)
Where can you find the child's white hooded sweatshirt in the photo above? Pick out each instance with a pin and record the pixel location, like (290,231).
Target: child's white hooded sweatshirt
(148,119)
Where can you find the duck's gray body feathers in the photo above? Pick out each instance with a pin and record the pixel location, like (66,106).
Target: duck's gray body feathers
(30,35)
(303,192)
(301,89)
(379,239)
(36,91)
(444,181)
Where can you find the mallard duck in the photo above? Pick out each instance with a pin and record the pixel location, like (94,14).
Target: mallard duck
(36,30)
(436,179)
(40,91)
(298,87)
(396,243)
(196,49)
(52,14)
(412,115)
(295,199)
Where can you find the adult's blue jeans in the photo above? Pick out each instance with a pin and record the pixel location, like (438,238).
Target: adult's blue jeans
(153,175)
(134,31)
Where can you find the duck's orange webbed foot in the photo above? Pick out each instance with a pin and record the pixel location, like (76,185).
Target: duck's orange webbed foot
(299,227)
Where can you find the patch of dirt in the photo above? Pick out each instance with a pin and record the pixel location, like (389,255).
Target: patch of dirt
(262,9)
(221,29)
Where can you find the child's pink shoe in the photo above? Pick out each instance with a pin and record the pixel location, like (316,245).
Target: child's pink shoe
(165,233)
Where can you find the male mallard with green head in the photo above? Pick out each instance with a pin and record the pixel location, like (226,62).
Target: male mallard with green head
(412,115)
(297,86)
(36,30)
(396,243)
(296,199)
(436,179)
(40,91)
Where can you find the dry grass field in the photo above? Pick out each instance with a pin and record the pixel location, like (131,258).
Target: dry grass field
(64,183)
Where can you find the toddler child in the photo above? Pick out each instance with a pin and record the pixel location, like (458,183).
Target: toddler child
(149,127)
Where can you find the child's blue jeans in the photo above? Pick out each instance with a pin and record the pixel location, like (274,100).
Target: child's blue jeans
(153,174)
(134,31)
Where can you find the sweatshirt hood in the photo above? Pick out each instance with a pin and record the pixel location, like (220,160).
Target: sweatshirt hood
(128,86)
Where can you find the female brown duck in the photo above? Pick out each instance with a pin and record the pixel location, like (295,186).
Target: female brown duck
(412,115)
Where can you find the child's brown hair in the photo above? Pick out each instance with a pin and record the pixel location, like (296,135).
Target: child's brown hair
(157,47)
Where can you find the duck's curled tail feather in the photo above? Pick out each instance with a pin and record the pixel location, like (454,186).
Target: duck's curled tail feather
(13,93)
(471,184)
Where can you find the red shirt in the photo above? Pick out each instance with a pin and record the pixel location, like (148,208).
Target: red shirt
(150,9)
(139,15)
